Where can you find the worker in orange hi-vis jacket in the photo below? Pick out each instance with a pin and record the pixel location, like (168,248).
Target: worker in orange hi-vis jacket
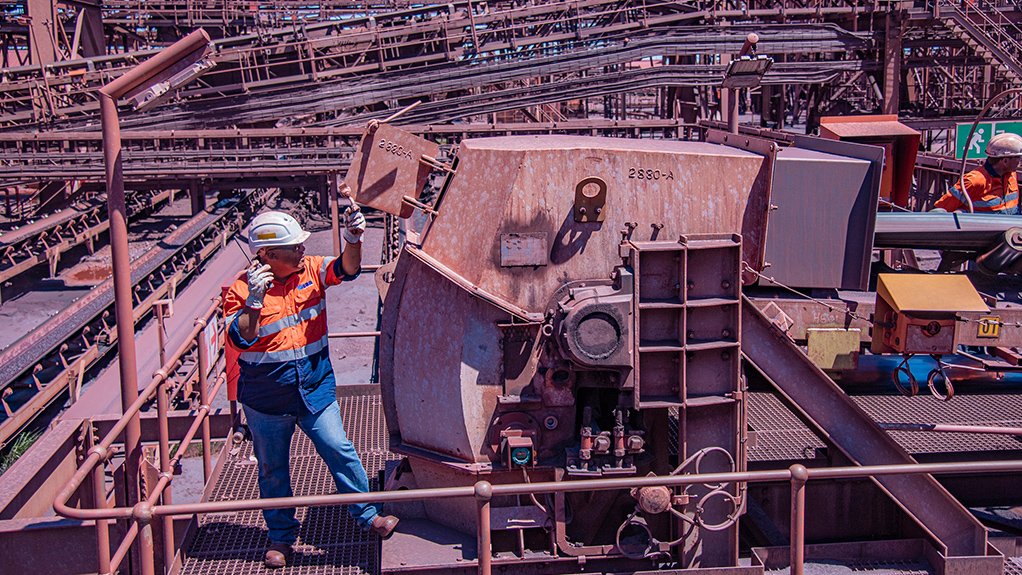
(993,188)
(276,316)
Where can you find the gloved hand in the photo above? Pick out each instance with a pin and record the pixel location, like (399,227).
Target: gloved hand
(259,278)
(354,225)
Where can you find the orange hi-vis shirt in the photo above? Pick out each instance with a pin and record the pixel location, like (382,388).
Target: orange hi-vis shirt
(989,193)
(287,366)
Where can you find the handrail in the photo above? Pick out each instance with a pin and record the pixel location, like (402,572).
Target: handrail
(94,464)
(143,513)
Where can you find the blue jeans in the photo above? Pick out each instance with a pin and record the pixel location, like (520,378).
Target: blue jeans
(271,438)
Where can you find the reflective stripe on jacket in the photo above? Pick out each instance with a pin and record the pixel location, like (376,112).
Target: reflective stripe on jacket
(287,365)
(989,193)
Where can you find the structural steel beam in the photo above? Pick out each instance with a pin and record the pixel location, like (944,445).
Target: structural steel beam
(843,424)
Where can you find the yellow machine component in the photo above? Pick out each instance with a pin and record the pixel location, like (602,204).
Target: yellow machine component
(918,313)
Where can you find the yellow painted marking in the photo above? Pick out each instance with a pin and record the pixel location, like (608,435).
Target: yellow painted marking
(989,326)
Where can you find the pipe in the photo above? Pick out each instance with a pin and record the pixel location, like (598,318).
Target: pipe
(513,489)
(102,525)
(123,548)
(100,453)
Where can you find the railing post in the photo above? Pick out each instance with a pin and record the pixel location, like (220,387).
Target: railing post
(799,476)
(162,406)
(99,495)
(483,493)
(143,515)
(203,352)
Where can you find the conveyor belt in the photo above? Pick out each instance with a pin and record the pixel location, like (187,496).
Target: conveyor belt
(24,353)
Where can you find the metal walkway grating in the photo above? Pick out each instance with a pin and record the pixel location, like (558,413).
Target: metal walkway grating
(781,436)
(329,541)
(871,567)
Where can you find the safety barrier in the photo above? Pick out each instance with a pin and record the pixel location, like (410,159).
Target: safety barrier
(142,514)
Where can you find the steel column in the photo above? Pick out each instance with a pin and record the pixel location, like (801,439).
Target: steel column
(892,62)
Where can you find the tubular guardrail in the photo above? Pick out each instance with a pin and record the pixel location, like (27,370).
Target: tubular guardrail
(143,513)
(94,465)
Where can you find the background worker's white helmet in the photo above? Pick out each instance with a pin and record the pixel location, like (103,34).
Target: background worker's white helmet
(1004,145)
(272,229)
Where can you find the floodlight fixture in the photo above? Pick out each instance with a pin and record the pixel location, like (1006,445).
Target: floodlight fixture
(162,91)
(746,72)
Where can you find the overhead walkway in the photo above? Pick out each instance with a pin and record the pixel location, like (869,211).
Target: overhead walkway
(991,33)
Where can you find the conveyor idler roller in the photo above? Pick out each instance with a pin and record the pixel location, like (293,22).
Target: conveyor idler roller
(943,231)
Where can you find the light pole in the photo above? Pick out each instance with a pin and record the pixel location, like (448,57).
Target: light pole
(746,71)
(161,68)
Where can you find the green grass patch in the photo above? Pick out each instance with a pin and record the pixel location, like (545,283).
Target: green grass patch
(17,449)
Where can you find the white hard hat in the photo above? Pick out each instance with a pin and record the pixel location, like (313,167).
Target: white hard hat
(272,229)
(1004,145)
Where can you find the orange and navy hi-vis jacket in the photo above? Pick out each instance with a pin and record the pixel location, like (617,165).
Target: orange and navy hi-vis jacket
(286,368)
(989,193)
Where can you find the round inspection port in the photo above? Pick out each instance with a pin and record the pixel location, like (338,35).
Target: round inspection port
(597,335)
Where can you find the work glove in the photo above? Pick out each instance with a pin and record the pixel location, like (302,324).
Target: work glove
(259,278)
(354,225)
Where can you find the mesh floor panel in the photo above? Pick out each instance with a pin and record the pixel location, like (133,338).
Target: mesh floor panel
(872,567)
(780,435)
(329,541)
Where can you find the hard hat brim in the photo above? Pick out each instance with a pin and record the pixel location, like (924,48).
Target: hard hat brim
(299,240)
